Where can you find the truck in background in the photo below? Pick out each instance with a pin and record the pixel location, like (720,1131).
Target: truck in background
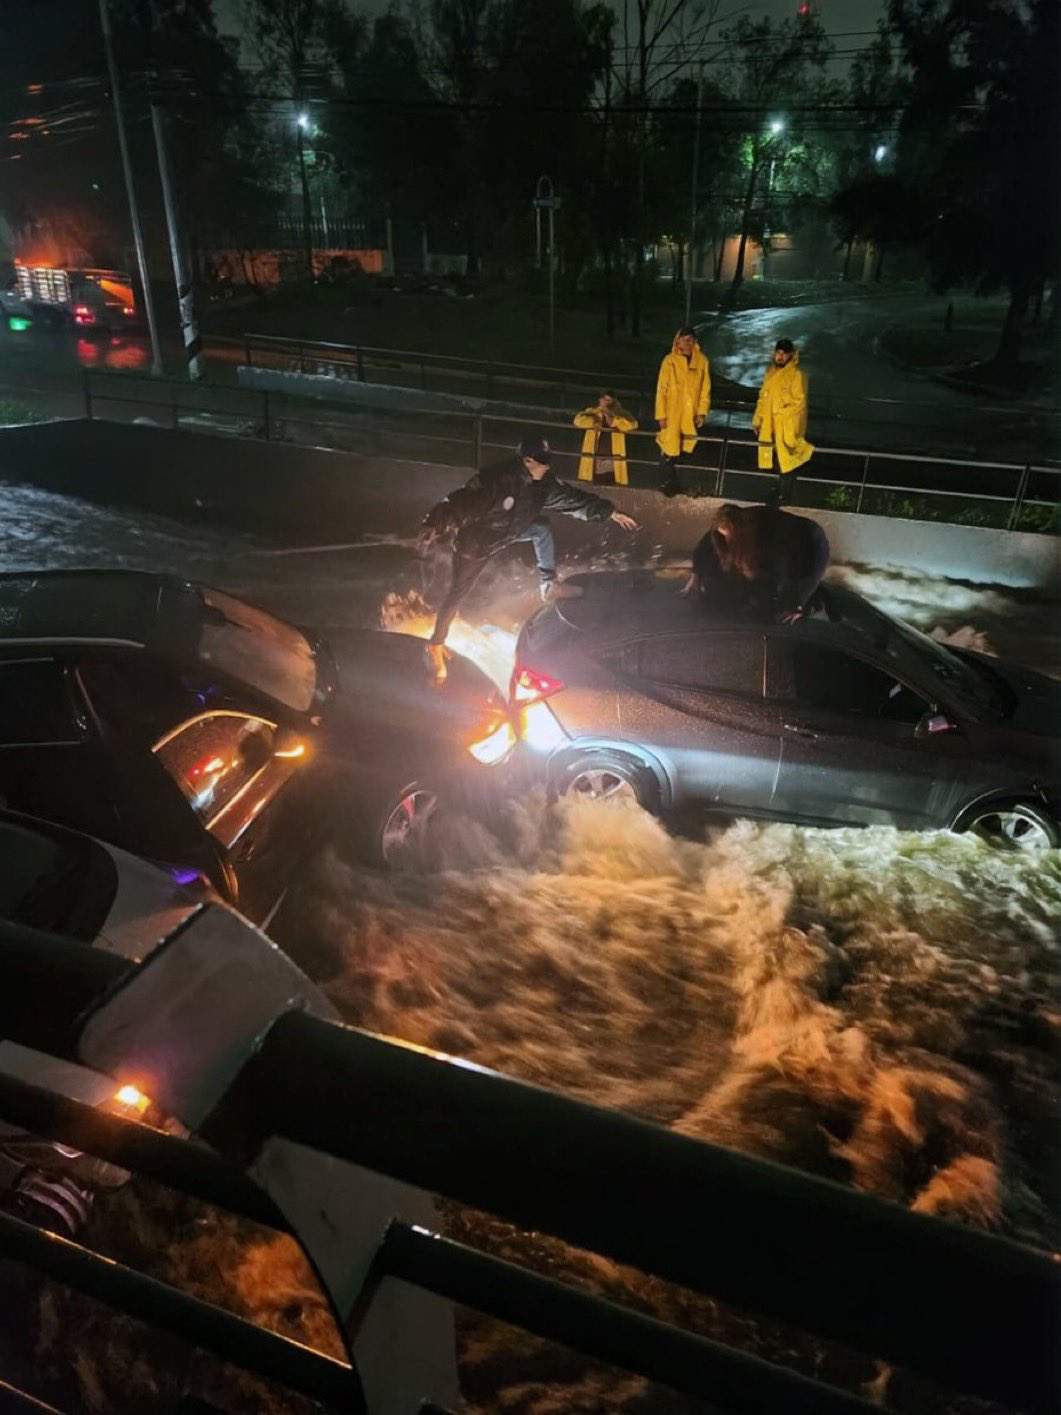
(79,298)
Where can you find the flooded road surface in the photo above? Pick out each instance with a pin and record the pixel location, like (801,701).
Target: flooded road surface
(876,1006)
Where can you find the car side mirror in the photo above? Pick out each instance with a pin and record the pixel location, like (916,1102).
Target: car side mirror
(934,722)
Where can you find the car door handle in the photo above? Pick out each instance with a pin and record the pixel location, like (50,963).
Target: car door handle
(798,731)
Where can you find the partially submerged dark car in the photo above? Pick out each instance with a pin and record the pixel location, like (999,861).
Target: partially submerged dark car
(191,728)
(846,717)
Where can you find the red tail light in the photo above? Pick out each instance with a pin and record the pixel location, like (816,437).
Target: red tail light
(529,686)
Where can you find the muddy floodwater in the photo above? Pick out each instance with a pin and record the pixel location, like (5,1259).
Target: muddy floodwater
(876,1006)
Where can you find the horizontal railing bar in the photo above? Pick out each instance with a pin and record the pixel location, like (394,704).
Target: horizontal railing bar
(234,1340)
(769,1239)
(695,1365)
(606,380)
(178,1164)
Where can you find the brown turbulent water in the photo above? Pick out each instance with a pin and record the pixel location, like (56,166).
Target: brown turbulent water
(877,1006)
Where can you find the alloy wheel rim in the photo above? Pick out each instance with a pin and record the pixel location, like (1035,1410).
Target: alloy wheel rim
(1013,828)
(601,784)
(407,826)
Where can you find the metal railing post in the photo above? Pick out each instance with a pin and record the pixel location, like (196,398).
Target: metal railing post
(862,487)
(1018,497)
(720,478)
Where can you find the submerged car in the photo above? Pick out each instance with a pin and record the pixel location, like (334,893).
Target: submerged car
(622,687)
(190,728)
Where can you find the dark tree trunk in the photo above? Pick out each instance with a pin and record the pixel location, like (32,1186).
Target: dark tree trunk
(1007,354)
(879,270)
(720,256)
(746,216)
(1037,316)
(846,276)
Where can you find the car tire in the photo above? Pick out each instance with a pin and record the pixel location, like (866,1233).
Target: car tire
(608,776)
(1013,825)
(403,828)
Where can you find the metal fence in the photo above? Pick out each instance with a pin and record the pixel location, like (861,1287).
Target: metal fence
(848,416)
(999,495)
(974,1313)
(387,423)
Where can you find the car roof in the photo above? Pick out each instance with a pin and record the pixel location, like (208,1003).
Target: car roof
(615,607)
(62,606)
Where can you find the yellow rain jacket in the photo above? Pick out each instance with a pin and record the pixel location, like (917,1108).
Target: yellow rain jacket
(592,419)
(781,417)
(683,393)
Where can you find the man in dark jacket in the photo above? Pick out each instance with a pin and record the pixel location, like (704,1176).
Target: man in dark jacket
(499,506)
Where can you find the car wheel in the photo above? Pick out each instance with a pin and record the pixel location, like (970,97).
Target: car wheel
(406,828)
(606,776)
(1014,825)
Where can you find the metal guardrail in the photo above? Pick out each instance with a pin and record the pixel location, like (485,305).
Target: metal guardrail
(977,1313)
(999,494)
(359,360)
(1005,495)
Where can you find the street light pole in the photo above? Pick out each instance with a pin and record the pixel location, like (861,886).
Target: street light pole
(182,275)
(545,199)
(694,183)
(301,125)
(130,190)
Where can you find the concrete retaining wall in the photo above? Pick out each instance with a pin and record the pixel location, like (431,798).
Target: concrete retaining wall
(295,495)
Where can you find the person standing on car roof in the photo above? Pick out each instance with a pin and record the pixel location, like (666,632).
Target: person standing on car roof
(503,505)
(683,401)
(604,443)
(780,419)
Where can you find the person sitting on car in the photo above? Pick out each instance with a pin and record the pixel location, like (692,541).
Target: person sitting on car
(769,561)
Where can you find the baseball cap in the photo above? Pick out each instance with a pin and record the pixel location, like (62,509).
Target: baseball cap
(537,449)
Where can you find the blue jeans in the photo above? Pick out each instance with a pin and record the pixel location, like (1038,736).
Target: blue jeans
(540,536)
(468,568)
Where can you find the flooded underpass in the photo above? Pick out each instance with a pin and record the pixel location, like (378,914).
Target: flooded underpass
(875,1006)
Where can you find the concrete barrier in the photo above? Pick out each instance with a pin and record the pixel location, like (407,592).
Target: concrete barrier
(299,495)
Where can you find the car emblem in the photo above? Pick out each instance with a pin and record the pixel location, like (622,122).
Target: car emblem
(509,502)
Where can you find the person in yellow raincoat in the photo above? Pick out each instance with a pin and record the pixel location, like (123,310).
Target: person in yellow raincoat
(780,418)
(683,400)
(604,456)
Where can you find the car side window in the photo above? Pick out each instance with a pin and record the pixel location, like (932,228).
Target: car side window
(834,681)
(725,663)
(214,757)
(35,704)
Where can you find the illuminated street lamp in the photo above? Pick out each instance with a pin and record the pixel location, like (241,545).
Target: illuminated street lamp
(880,152)
(777,126)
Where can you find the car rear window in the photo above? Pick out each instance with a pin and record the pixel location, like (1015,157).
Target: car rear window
(725,663)
(263,652)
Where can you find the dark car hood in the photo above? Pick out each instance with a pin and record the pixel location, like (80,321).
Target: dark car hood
(1033,701)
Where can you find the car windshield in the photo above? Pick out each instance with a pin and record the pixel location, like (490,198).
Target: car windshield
(261,651)
(924,656)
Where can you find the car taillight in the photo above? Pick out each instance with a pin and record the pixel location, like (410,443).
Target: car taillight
(529,686)
(492,744)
